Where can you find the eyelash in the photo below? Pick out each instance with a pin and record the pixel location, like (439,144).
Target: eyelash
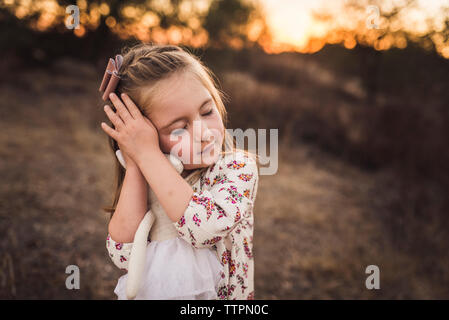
(206,114)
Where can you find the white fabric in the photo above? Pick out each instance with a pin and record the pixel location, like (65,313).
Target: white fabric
(177,272)
(162,228)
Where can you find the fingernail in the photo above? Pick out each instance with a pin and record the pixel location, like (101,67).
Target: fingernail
(105,107)
(111,95)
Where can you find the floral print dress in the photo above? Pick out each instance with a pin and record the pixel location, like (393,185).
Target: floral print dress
(219,216)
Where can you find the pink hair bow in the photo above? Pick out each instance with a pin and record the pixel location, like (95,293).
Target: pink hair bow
(111,77)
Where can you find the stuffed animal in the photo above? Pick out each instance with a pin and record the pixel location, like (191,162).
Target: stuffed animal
(137,258)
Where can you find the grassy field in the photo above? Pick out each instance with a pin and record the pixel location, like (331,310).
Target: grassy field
(319,222)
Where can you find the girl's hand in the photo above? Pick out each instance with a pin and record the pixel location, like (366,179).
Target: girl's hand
(130,163)
(133,131)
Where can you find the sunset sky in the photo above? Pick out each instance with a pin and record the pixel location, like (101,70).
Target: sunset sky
(292,22)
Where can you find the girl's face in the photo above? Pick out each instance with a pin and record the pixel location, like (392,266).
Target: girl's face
(185,111)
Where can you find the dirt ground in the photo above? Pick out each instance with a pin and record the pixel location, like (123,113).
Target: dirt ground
(316,224)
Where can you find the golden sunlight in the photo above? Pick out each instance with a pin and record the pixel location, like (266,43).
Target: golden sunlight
(295,28)
(294,25)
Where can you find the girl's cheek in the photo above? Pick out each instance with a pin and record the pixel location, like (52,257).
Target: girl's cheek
(186,151)
(178,147)
(164,144)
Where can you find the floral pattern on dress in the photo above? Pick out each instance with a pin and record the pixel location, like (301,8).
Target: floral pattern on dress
(220,213)
(236,165)
(119,252)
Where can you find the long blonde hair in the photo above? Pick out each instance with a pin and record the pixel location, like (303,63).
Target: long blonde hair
(146,64)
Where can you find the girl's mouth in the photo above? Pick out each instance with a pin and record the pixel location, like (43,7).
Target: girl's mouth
(207,148)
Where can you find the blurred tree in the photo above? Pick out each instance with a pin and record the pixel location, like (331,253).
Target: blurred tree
(372,27)
(106,23)
(226,20)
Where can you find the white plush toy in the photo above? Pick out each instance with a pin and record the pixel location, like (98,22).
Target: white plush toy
(136,262)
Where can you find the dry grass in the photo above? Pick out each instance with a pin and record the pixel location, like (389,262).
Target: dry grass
(317,230)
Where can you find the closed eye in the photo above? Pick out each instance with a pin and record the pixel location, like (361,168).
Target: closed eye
(208,114)
(179,131)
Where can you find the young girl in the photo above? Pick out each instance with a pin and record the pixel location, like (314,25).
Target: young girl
(166,101)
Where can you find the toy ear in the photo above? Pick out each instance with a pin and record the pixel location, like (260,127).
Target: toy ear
(175,161)
(120,158)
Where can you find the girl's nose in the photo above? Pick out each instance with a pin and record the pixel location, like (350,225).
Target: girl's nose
(205,133)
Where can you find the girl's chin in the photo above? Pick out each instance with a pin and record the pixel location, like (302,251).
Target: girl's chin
(206,160)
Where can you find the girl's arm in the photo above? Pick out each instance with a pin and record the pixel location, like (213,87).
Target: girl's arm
(131,207)
(138,137)
(202,218)
(228,204)
(172,191)
(125,222)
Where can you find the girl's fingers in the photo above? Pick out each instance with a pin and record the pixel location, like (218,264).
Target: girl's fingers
(115,119)
(135,112)
(121,108)
(147,120)
(111,132)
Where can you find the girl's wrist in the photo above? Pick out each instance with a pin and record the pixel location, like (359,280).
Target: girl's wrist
(133,168)
(149,156)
